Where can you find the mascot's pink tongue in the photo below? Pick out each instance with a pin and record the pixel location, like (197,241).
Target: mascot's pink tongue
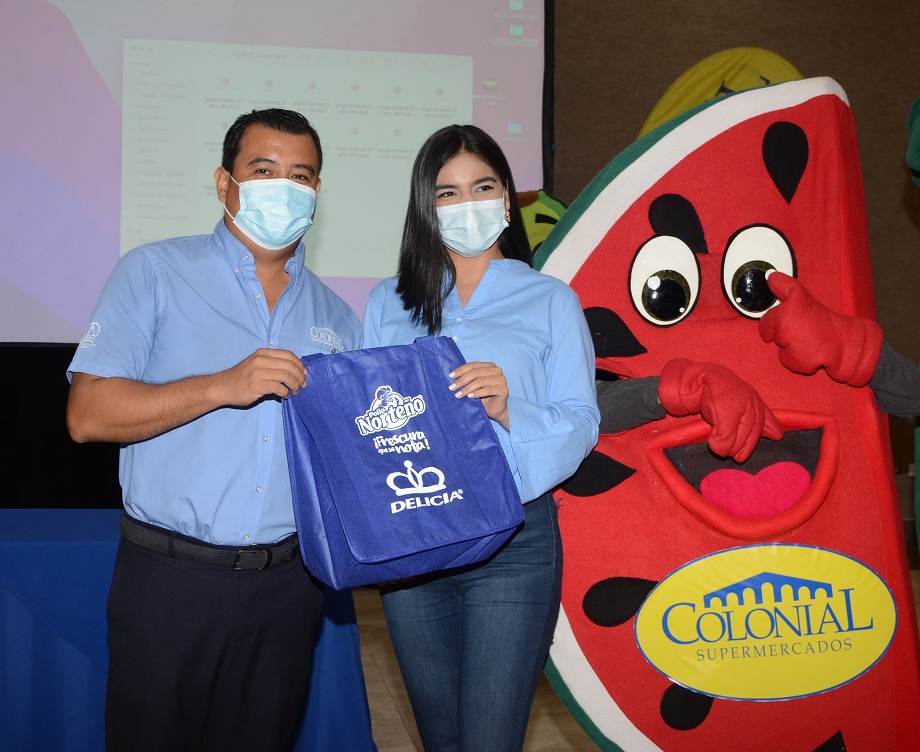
(773,490)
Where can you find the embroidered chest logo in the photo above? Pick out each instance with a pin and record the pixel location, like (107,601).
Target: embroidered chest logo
(325,336)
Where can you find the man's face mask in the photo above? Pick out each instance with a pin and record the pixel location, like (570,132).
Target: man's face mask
(274,213)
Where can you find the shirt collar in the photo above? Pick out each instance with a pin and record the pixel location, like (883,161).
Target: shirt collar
(485,284)
(505,263)
(240,257)
(494,264)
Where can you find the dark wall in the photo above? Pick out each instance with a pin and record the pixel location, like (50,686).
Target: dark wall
(43,466)
(614,60)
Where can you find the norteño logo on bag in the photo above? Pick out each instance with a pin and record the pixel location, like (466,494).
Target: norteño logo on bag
(389,411)
(767,622)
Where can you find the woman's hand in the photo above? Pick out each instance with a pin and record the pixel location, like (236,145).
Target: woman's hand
(485,382)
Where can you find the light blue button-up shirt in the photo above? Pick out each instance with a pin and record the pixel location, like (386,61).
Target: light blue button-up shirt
(192,306)
(532,326)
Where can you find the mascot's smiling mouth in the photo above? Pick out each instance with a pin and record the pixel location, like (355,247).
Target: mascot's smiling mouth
(777,489)
(775,477)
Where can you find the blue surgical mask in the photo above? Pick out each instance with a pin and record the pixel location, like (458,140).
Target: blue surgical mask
(471,228)
(274,213)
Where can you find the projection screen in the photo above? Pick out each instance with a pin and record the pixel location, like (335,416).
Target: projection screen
(115,112)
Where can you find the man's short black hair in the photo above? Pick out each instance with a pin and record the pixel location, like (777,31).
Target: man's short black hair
(285,121)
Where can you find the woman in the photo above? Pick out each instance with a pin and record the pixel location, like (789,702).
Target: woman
(471,642)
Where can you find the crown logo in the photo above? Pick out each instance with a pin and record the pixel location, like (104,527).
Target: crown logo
(414,480)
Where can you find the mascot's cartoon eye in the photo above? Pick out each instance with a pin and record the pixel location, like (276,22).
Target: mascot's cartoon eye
(751,253)
(664,281)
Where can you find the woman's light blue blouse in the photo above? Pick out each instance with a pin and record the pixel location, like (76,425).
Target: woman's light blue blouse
(532,326)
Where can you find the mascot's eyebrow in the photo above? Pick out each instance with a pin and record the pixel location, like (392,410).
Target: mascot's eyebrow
(596,474)
(611,335)
(674,215)
(785,155)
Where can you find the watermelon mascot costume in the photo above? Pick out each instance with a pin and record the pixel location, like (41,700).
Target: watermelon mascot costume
(735,574)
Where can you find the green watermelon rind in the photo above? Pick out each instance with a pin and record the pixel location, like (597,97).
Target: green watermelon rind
(571,242)
(586,698)
(583,719)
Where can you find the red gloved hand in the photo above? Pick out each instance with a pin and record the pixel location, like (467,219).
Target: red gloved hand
(811,336)
(734,409)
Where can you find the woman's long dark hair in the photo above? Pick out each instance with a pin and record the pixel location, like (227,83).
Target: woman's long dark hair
(426,272)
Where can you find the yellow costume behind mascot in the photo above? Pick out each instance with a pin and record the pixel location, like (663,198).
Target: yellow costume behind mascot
(723,73)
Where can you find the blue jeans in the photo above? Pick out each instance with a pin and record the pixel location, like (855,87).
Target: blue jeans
(471,642)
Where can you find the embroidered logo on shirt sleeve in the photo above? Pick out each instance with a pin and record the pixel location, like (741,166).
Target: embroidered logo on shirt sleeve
(89,336)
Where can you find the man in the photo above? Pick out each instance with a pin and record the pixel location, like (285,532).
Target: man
(193,344)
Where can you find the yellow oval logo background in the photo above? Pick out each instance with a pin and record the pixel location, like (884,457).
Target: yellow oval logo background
(767,622)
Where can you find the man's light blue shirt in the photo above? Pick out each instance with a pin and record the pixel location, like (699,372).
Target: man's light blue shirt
(193,306)
(532,326)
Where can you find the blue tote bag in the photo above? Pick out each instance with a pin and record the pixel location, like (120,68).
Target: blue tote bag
(392,476)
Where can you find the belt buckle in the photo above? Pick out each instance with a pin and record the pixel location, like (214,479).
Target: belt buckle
(238,559)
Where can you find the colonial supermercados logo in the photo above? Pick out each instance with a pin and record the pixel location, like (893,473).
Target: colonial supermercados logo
(323,335)
(389,411)
(767,622)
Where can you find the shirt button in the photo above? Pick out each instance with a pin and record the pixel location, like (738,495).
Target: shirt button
(245,537)
(459,319)
(258,297)
(455,339)
(271,342)
(246,257)
(258,489)
(265,437)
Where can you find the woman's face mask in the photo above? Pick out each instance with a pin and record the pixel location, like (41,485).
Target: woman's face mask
(471,228)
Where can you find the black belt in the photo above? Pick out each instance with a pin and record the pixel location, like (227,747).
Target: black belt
(179,546)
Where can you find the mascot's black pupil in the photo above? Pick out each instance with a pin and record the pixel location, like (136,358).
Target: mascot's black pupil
(749,287)
(666,296)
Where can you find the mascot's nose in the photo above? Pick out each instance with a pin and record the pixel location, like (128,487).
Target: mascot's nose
(712,305)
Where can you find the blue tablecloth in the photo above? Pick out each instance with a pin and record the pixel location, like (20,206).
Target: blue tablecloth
(55,570)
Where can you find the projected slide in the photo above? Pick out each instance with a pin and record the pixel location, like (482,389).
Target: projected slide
(116,112)
(373,110)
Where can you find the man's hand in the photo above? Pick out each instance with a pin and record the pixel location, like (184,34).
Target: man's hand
(734,409)
(266,371)
(810,335)
(486,382)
